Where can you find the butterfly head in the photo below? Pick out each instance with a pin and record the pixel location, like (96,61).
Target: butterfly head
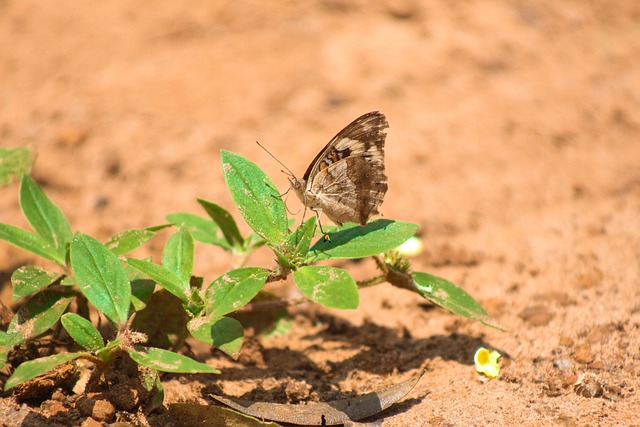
(298,186)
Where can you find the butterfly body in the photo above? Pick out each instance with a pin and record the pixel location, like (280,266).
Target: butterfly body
(346,180)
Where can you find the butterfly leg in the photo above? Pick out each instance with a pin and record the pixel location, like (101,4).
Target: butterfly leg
(326,237)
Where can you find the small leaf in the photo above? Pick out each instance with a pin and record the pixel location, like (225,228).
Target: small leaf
(355,241)
(45,217)
(108,352)
(224,333)
(202,229)
(324,413)
(455,299)
(234,289)
(256,197)
(192,414)
(141,292)
(293,252)
(177,256)
(101,277)
(30,242)
(13,163)
(253,241)
(329,286)
(36,316)
(149,379)
(128,240)
(226,223)
(28,280)
(163,321)
(168,361)
(156,228)
(165,278)
(82,331)
(35,368)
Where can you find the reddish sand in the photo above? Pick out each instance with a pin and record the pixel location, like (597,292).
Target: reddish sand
(514,144)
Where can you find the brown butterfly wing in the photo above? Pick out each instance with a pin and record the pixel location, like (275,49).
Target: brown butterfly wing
(347,180)
(369,129)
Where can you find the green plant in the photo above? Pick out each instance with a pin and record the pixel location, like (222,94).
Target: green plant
(91,272)
(99,278)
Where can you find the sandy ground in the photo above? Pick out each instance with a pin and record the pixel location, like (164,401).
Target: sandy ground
(514,144)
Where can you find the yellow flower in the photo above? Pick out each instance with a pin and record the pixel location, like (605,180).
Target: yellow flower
(487,362)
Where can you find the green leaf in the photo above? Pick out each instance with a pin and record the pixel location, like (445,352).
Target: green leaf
(202,229)
(451,297)
(111,350)
(14,162)
(256,197)
(30,242)
(253,241)
(45,217)
(226,223)
(168,361)
(101,277)
(156,228)
(294,250)
(37,316)
(355,241)
(28,280)
(128,240)
(4,352)
(82,331)
(224,333)
(35,368)
(177,256)
(234,289)
(141,292)
(329,286)
(165,278)
(163,321)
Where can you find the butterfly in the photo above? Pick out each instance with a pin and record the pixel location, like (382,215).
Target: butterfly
(346,180)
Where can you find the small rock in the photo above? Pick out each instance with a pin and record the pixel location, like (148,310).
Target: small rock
(103,410)
(53,407)
(562,363)
(536,315)
(297,391)
(569,380)
(84,405)
(583,355)
(596,366)
(124,396)
(90,422)
(58,395)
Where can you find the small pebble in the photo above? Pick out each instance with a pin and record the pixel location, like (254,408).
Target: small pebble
(583,355)
(563,364)
(536,315)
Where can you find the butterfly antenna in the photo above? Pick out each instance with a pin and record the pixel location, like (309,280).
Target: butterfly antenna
(276,159)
